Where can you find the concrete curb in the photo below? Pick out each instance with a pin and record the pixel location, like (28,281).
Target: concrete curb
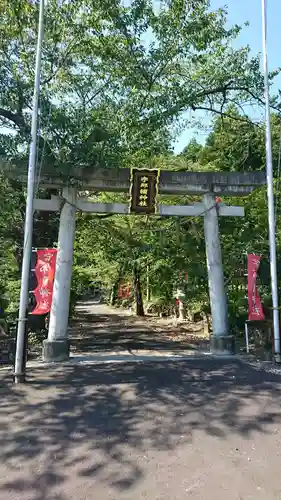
(115,357)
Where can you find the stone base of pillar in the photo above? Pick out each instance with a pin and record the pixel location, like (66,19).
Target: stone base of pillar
(223,345)
(277,358)
(56,350)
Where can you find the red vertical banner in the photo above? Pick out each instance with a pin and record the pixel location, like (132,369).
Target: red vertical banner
(124,290)
(121,290)
(255,309)
(45,273)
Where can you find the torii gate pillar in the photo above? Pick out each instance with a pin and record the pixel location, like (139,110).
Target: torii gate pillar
(56,347)
(221,342)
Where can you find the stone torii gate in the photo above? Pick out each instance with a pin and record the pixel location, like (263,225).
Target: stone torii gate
(207,184)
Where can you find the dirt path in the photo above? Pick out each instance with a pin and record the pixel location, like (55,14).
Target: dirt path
(98,327)
(200,430)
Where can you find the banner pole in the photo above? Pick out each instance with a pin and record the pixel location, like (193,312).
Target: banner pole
(19,371)
(270,191)
(247,337)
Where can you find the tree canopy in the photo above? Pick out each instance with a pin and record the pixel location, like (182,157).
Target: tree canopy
(118,80)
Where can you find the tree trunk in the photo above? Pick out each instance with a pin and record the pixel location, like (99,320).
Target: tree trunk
(112,296)
(114,289)
(137,291)
(114,292)
(147,285)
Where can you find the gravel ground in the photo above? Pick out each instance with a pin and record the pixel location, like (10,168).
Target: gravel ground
(200,429)
(100,328)
(267,366)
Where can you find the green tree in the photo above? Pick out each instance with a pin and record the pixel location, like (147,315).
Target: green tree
(234,145)
(115,78)
(191,152)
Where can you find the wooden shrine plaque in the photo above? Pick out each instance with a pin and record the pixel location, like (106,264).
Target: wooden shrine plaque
(143,191)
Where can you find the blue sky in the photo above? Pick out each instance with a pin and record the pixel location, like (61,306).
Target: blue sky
(240,11)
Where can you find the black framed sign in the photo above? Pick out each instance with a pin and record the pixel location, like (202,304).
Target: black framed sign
(143,191)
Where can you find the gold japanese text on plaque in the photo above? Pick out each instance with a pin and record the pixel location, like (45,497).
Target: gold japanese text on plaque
(144,189)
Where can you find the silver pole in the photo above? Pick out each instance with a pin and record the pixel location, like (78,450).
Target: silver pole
(270,191)
(19,374)
(247,337)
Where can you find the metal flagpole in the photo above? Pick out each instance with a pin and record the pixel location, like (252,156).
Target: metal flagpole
(19,373)
(270,191)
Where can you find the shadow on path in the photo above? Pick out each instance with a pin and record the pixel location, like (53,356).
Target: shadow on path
(76,422)
(100,328)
